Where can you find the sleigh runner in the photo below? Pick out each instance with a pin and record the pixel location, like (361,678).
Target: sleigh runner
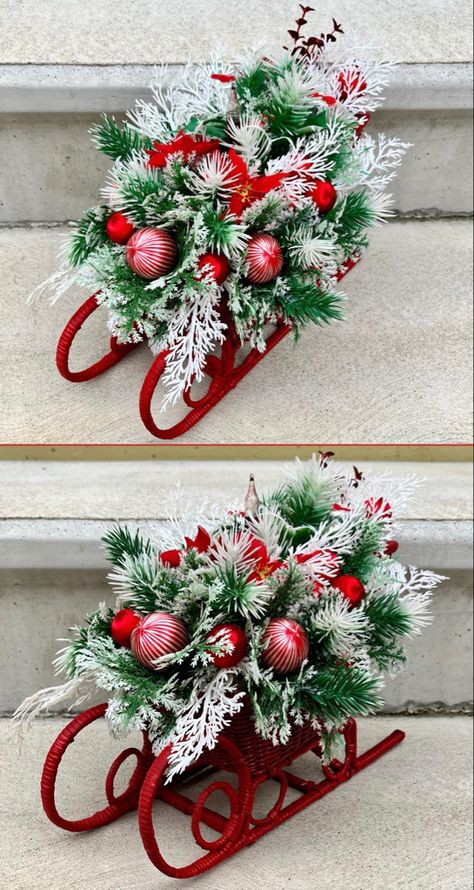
(239,755)
(224,370)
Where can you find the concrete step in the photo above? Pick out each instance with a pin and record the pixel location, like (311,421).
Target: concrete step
(80,63)
(396,370)
(339,838)
(51,171)
(52,568)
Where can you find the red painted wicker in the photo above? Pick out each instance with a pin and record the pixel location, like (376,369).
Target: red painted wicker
(244,761)
(224,371)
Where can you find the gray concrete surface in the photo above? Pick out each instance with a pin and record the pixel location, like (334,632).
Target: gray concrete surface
(80,490)
(396,370)
(404,824)
(146,32)
(61,184)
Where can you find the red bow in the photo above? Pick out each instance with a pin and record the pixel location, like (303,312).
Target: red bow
(249,188)
(183,143)
(172,558)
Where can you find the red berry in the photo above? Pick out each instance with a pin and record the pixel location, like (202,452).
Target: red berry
(350,587)
(391,548)
(122,626)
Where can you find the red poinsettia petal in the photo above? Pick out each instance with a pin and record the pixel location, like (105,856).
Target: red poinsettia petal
(239,165)
(223,78)
(265,184)
(202,540)
(157,159)
(236,205)
(171,558)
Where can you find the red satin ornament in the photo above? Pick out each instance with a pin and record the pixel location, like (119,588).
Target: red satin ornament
(324,195)
(391,548)
(232,634)
(219,266)
(264,257)
(286,645)
(350,587)
(118,228)
(122,626)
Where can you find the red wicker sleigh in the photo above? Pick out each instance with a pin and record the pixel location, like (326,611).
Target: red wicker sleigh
(240,754)
(224,371)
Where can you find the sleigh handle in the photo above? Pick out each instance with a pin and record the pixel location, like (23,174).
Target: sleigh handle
(117,352)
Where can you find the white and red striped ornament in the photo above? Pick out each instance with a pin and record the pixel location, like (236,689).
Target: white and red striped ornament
(264,257)
(158,634)
(151,253)
(286,647)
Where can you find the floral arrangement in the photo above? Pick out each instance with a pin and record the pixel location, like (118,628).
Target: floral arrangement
(238,196)
(296,606)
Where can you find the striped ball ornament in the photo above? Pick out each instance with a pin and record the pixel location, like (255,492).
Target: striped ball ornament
(151,253)
(158,634)
(264,257)
(286,645)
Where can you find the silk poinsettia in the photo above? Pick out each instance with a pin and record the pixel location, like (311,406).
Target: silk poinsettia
(172,558)
(247,188)
(183,143)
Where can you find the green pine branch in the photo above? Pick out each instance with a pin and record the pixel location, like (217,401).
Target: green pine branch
(118,142)
(120,542)
(89,235)
(362,559)
(305,302)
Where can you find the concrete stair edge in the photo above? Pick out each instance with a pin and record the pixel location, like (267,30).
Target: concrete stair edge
(75,544)
(37,88)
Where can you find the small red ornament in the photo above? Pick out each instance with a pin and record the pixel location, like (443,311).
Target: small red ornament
(217,265)
(156,635)
(391,547)
(324,195)
(264,257)
(228,633)
(151,253)
(118,228)
(122,626)
(288,645)
(350,587)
